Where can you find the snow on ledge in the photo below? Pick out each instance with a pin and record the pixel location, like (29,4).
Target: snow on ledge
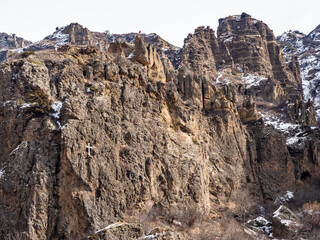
(284,198)
(253,80)
(293,132)
(57,109)
(117,224)
(17,148)
(2,172)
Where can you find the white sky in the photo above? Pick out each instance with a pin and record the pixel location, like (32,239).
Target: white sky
(172,20)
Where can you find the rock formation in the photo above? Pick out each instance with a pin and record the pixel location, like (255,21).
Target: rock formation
(108,140)
(305,49)
(248,112)
(12,42)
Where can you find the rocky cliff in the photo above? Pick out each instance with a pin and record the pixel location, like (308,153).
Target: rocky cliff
(305,48)
(9,43)
(128,139)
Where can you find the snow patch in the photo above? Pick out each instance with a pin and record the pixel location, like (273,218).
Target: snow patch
(110,226)
(26,105)
(131,55)
(294,140)
(278,124)
(64,126)
(229,39)
(57,109)
(277,212)
(293,132)
(218,78)
(2,172)
(285,222)
(237,17)
(261,224)
(253,80)
(285,198)
(59,37)
(7,102)
(152,236)
(17,148)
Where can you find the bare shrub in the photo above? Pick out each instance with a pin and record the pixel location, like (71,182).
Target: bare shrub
(181,217)
(307,194)
(146,218)
(186,215)
(16,236)
(234,232)
(310,220)
(206,234)
(208,230)
(243,201)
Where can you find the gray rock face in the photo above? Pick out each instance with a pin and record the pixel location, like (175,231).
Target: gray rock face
(12,42)
(306,49)
(74,34)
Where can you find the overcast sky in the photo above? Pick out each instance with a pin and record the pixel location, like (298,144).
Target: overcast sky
(172,20)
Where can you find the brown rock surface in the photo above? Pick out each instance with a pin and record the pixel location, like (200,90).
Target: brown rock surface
(284,223)
(93,137)
(252,43)
(148,56)
(148,148)
(248,112)
(198,55)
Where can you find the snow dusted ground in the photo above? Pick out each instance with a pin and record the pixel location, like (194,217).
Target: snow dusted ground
(295,133)
(59,37)
(226,77)
(310,73)
(2,172)
(57,110)
(117,224)
(260,224)
(308,53)
(284,198)
(252,80)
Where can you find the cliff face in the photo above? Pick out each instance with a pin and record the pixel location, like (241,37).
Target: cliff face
(9,43)
(252,45)
(12,41)
(305,49)
(149,147)
(96,135)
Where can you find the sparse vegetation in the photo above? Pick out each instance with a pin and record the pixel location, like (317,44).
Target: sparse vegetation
(244,203)
(41,100)
(16,236)
(92,88)
(311,218)
(235,232)
(93,237)
(4,65)
(35,62)
(181,217)
(234,72)
(27,54)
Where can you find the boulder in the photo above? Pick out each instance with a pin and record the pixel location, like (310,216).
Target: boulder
(284,223)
